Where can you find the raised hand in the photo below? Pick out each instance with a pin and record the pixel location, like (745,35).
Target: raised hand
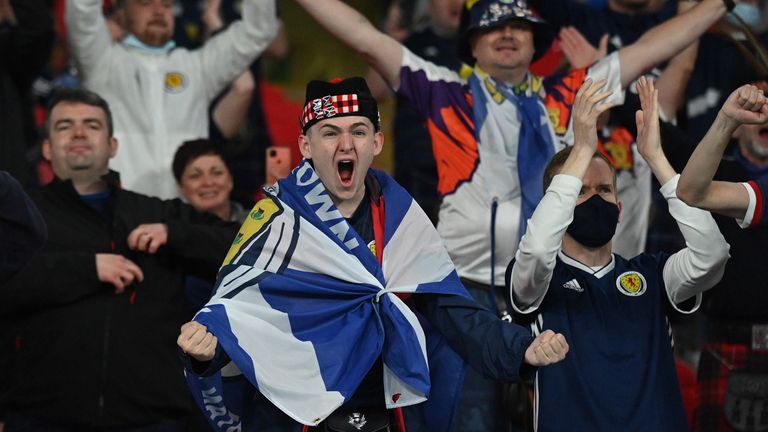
(746,105)
(586,110)
(148,237)
(577,49)
(118,271)
(197,342)
(648,131)
(211,17)
(548,348)
(6,12)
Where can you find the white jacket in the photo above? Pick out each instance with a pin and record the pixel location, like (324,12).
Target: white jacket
(159,101)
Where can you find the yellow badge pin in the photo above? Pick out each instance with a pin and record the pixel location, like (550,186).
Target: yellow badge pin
(175,82)
(259,218)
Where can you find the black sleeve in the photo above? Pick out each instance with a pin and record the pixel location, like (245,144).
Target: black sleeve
(202,240)
(562,13)
(219,360)
(32,288)
(22,229)
(493,347)
(26,46)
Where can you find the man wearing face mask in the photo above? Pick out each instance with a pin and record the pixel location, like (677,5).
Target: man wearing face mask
(160,94)
(620,374)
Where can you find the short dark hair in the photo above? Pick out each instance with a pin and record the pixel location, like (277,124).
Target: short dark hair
(77,95)
(193,149)
(558,160)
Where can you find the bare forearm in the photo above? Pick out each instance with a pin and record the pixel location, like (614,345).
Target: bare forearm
(577,163)
(667,39)
(674,80)
(231,110)
(353,29)
(696,180)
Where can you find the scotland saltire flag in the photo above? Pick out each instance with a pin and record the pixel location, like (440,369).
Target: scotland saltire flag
(303,309)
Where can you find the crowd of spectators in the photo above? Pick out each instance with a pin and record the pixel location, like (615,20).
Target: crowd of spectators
(133,138)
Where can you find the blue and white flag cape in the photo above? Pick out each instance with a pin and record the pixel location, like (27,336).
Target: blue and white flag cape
(303,309)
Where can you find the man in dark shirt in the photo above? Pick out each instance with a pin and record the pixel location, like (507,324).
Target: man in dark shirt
(94,313)
(340,137)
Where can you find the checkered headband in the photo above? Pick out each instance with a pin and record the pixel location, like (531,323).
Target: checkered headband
(350,97)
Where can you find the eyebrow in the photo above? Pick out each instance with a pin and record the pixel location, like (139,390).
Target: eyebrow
(89,120)
(352,126)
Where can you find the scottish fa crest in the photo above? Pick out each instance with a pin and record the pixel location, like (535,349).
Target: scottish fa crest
(631,284)
(175,82)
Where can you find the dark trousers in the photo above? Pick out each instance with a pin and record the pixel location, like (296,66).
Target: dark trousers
(480,402)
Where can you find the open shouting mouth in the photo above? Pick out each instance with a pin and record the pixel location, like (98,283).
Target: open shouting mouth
(346,170)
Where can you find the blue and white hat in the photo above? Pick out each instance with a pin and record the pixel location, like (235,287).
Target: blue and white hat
(487,14)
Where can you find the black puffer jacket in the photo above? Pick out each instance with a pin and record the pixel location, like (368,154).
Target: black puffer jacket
(83,355)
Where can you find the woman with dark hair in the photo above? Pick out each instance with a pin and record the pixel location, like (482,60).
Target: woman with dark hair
(205,180)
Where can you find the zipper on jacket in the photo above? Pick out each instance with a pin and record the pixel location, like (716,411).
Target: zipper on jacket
(104,363)
(111,226)
(496,297)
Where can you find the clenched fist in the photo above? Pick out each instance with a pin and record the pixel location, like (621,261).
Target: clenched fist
(197,342)
(548,348)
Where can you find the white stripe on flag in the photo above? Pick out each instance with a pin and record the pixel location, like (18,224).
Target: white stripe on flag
(392,384)
(301,393)
(340,265)
(434,262)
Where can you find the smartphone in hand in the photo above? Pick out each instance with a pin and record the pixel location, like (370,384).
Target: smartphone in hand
(278,163)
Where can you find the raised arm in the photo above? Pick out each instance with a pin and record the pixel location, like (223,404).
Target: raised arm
(746,105)
(674,79)
(383,53)
(649,132)
(29,39)
(701,264)
(89,38)
(534,262)
(227,55)
(667,39)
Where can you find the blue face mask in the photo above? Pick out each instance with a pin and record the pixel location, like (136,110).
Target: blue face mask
(749,13)
(134,42)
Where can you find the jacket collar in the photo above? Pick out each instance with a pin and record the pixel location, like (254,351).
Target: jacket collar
(111,178)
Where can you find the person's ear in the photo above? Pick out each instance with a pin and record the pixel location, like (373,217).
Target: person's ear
(378,143)
(112,147)
(46,148)
(304,146)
